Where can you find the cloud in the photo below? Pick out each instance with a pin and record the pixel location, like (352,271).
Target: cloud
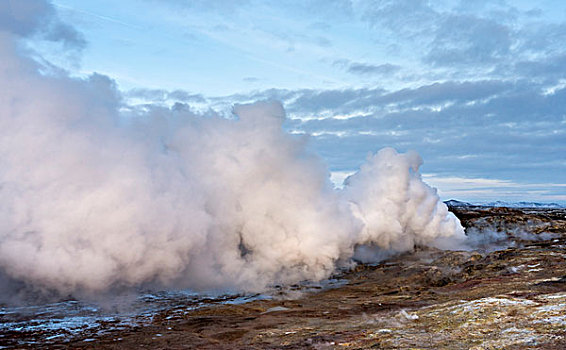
(37,17)
(485,39)
(407,18)
(251,79)
(367,68)
(364,68)
(549,68)
(543,38)
(24,17)
(379,102)
(450,36)
(463,39)
(485,128)
(161,95)
(69,36)
(510,130)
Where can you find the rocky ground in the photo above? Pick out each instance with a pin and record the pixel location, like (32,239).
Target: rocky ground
(507,292)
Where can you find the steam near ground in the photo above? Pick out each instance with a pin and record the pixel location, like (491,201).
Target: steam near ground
(92,198)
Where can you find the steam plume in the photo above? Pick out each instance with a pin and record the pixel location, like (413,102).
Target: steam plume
(91,198)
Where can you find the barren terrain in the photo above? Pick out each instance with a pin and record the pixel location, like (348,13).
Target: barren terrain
(507,291)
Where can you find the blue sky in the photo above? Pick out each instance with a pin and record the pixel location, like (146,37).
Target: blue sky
(478,88)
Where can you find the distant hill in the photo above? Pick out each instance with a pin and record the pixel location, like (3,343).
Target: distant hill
(522,204)
(457,203)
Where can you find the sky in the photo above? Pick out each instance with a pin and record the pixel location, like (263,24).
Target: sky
(477,88)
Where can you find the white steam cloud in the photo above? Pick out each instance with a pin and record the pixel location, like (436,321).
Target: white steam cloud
(91,199)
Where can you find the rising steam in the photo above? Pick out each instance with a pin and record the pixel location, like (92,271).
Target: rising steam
(92,198)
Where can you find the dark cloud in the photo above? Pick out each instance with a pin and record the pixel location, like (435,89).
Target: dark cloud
(26,18)
(551,68)
(338,101)
(251,79)
(69,36)
(489,129)
(378,100)
(499,10)
(322,41)
(362,68)
(446,92)
(546,39)
(469,40)
(486,128)
(451,37)
(404,17)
